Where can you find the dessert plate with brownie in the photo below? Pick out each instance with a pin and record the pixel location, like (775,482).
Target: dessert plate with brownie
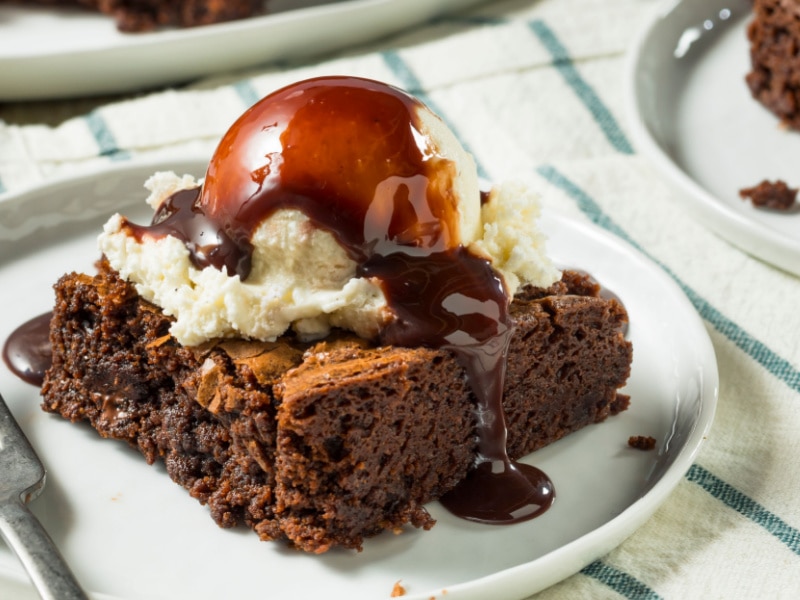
(52,49)
(720,125)
(376,377)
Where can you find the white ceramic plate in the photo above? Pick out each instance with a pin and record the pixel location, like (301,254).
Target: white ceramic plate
(694,117)
(60,53)
(129,532)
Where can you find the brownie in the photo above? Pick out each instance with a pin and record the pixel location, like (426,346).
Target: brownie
(774,78)
(323,444)
(146,15)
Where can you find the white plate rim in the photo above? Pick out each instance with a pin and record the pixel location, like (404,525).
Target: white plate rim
(172,56)
(550,568)
(751,236)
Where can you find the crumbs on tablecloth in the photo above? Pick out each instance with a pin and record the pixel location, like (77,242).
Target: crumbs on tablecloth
(777,195)
(642,442)
(398,590)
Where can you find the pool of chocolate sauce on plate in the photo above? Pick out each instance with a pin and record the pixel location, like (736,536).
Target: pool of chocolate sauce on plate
(395,214)
(27,351)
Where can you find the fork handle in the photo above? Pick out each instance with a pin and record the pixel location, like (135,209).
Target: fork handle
(50,574)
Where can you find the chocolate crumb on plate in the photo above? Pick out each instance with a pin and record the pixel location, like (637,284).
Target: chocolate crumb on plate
(773,195)
(642,442)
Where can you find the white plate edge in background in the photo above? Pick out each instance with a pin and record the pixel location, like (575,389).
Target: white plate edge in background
(753,237)
(147,60)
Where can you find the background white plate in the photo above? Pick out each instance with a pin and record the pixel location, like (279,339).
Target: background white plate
(129,532)
(60,53)
(693,116)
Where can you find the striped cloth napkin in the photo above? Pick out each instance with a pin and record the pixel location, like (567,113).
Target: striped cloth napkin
(535,89)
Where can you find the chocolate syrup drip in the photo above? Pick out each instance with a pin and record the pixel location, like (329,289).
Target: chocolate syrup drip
(181,216)
(456,301)
(27,350)
(392,207)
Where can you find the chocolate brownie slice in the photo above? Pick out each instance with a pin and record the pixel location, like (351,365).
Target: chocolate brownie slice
(328,443)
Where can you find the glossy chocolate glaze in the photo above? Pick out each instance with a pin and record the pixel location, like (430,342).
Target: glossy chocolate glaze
(352,155)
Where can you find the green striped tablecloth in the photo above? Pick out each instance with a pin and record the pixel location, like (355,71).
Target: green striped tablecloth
(535,89)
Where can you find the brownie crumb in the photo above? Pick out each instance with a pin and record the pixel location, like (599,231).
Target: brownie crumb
(642,442)
(775,195)
(398,590)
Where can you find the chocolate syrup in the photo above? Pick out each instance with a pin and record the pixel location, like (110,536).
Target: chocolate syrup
(209,244)
(352,156)
(349,153)
(27,351)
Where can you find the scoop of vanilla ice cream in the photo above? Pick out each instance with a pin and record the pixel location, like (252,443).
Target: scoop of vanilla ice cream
(301,277)
(511,238)
(465,184)
(504,230)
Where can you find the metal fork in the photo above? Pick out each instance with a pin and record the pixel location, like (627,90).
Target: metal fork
(22,478)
